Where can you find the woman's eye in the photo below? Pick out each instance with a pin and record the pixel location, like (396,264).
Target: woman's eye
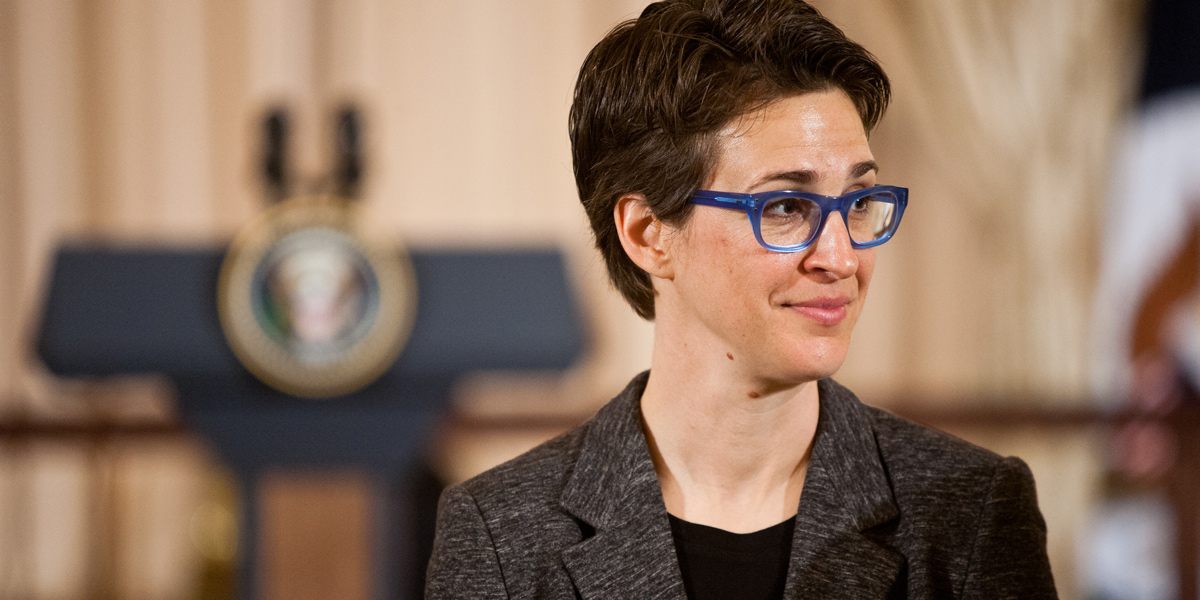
(785,206)
(861,205)
(790,209)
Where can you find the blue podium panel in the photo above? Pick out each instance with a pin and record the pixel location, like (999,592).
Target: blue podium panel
(121,311)
(114,311)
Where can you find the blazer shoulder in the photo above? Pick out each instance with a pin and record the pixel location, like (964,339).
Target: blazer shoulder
(498,530)
(938,479)
(914,450)
(533,479)
(540,475)
(972,509)
(514,510)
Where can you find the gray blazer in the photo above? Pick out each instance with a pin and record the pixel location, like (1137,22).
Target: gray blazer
(890,509)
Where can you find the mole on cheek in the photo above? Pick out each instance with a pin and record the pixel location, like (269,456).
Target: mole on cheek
(729,355)
(753,394)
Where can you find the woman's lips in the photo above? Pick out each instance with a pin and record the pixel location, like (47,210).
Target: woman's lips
(826,311)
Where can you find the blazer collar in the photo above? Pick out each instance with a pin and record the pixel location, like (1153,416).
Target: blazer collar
(846,503)
(614,490)
(847,455)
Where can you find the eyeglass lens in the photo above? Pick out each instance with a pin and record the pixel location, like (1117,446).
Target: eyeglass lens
(791,221)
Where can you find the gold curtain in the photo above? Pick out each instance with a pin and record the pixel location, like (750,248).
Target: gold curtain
(1002,124)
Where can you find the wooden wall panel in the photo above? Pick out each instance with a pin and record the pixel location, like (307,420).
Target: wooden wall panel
(234,187)
(55,557)
(316,536)
(11,213)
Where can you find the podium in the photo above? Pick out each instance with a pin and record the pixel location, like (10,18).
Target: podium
(122,311)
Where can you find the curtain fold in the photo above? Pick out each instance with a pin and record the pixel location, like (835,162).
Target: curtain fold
(1012,108)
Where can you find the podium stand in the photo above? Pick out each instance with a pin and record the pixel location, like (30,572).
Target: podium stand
(121,311)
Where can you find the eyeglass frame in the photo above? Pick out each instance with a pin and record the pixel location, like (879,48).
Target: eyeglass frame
(753,205)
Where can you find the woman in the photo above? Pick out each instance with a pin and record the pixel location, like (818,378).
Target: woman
(721,153)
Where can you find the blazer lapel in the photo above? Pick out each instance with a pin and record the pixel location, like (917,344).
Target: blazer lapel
(635,559)
(615,491)
(846,495)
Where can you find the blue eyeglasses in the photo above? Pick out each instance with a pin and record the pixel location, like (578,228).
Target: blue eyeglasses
(788,221)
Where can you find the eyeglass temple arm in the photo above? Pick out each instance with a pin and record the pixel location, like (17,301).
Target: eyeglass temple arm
(722,200)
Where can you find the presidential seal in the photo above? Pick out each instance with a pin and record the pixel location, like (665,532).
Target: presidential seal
(309,305)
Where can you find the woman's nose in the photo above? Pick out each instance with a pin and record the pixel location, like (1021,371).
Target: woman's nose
(832,252)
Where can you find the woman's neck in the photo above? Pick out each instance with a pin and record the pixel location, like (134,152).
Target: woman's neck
(730,452)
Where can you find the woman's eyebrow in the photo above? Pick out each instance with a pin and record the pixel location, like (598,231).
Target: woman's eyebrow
(807,177)
(799,178)
(863,168)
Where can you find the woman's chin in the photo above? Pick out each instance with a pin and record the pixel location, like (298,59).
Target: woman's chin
(809,367)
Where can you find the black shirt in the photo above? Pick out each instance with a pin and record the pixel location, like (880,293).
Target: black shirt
(719,565)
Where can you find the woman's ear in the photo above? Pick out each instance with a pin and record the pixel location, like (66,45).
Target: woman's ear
(643,236)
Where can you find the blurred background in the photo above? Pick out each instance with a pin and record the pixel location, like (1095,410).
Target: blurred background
(1040,299)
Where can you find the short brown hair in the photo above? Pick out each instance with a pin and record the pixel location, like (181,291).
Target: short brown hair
(652,95)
